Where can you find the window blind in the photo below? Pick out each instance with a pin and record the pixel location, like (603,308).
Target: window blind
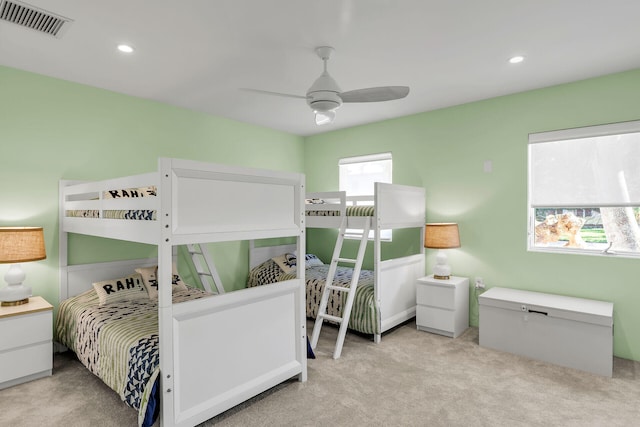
(597,166)
(357,174)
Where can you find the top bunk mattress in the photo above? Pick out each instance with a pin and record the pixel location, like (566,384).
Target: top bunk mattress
(350,211)
(132,214)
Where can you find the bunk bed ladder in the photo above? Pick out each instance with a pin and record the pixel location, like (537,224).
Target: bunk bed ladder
(351,290)
(205,268)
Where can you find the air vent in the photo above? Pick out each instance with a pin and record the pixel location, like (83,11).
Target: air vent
(34,18)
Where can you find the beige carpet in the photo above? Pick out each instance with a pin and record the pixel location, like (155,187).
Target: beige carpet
(411,378)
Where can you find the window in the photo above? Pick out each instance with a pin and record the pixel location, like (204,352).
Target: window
(584,190)
(357,176)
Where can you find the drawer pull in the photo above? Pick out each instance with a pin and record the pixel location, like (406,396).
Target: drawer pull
(539,312)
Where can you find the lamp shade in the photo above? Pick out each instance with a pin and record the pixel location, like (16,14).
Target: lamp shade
(442,235)
(21,244)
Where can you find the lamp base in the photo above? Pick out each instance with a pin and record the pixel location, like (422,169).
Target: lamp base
(442,270)
(14,303)
(15,293)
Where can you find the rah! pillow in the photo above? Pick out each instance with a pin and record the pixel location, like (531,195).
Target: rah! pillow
(150,280)
(289,262)
(127,288)
(286,262)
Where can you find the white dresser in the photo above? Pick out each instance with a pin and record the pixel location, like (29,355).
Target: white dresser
(572,332)
(443,305)
(26,350)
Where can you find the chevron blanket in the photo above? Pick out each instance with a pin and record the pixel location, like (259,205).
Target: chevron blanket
(118,342)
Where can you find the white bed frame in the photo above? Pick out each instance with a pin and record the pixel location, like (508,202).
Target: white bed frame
(219,351)
(396,206)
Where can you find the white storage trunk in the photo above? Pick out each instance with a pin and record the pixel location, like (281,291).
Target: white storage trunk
(572,332)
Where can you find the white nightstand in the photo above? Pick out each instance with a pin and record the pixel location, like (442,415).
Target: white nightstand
(443,305)
(26,350)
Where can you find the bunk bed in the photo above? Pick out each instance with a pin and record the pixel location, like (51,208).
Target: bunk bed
(212,352)
(385,296)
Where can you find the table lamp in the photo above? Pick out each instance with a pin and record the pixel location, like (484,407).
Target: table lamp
(441,236)
(19,244)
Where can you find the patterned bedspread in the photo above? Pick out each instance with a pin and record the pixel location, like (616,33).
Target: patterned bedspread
(359,210)
(364,313)
(135,214)
(118,342)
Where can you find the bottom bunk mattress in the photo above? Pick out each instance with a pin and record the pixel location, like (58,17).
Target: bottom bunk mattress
(365,314)
(118,342)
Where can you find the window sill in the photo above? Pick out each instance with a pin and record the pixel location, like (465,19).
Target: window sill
(576,251)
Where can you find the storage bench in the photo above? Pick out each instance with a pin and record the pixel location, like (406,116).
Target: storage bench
(572,332)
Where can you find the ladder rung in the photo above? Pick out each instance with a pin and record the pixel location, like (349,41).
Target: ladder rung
(204,273)
(338,288)
(194,252)
(330,317)
(351,260)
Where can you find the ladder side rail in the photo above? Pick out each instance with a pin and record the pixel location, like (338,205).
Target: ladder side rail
(324,299)
(207,273)
(193,253)
(213,271)
(351,293)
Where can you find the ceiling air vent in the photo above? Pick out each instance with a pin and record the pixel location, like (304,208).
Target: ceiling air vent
(32,17)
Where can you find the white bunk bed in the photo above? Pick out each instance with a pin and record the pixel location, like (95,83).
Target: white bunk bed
(394,280)
(217,351)
(392,206)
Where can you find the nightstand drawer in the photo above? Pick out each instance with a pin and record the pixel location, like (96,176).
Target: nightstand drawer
(435,318)
(23,330)
(26,361)
(436,296)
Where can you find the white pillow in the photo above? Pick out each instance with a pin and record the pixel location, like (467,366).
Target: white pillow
(150,280)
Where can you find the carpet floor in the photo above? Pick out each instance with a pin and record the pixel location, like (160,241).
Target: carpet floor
(411,378)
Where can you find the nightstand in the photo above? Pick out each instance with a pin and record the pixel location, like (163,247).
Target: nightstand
(443,305)
(26,350)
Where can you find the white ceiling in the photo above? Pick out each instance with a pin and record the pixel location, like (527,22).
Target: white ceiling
(198,54)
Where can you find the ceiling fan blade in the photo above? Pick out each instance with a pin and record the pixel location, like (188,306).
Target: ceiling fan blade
(266,92)
(375,94)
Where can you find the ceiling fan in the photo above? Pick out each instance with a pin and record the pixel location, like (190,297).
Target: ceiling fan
(325,97)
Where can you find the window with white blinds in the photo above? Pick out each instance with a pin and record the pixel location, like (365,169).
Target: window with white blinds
(357,176)
(584,189)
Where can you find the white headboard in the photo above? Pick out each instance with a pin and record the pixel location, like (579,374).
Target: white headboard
(79,278)
(259,255)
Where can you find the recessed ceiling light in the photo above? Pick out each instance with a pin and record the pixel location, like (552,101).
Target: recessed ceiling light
(516,59)
(125,48)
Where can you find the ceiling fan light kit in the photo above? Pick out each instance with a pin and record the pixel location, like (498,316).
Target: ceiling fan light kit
(325,96)
(326,117)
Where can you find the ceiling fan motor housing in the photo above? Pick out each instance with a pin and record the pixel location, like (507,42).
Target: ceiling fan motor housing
(324,94)
(324,100)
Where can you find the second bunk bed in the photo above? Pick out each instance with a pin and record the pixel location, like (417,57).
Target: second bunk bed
(384,296)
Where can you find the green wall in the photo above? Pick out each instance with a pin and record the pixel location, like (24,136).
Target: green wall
(445,151)
(52,129)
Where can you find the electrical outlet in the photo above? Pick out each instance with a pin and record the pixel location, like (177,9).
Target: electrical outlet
(479,283)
